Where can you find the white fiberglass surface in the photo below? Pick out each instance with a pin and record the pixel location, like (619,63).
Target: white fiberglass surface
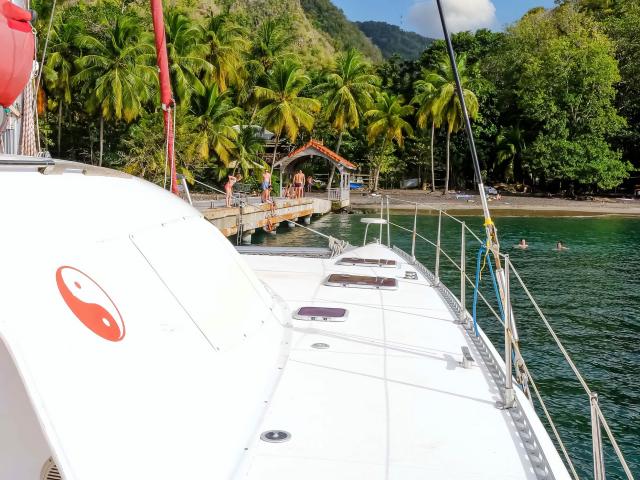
(388,398)
(23,448)
(120,369)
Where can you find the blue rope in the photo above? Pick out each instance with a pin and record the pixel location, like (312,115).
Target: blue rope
(475,290)
(495,289)
(494,281)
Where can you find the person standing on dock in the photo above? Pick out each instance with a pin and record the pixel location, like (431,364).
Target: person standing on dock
(309,183)
(298,184)
(266,186)
(228,189)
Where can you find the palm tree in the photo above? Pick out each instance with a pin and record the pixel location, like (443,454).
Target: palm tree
(425,97)
(446,104)
(187,55)
(283,110)
(348,92)
(227,42)
(248,150)
(115,74)
(271,44)
(215,117)
(387,121)
(510,143)
(58,68)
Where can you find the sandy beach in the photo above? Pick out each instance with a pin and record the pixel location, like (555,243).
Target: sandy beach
(467,203)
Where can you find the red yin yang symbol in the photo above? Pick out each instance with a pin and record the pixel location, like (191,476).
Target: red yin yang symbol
(90,303)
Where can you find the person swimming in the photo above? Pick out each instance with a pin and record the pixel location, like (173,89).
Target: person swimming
(560,246)
(523,245)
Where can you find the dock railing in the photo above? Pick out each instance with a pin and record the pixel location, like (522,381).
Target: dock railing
(515,366)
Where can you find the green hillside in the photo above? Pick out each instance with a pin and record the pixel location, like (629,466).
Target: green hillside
(312,44)
(391,39)
(329,19)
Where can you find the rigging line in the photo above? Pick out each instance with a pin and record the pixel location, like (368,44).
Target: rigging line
(465,112)
(552,424)
(44,50)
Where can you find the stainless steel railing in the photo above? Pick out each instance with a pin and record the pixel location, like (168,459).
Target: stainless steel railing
(513,359)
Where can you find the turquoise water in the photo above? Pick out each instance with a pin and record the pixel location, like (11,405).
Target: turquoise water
(590,293)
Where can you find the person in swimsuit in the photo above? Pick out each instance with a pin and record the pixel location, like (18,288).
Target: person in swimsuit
(298,184)
(228,189)
(266,186)
(309,183)
(523,245)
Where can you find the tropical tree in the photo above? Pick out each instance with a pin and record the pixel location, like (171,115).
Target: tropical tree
(271,44)
(347,92)
(284,110)
(187,55)
(387,121)
(510,144)
(114,73)
(447,104)
(215,118)
(58,68)
(227,42)
(425,98)
(248,150)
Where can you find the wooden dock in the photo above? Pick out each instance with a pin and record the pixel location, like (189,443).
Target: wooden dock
(247,219)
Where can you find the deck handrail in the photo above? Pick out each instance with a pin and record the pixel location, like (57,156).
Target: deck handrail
(511,339)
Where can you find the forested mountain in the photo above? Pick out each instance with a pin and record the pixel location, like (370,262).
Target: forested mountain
(553,98)
(344,34)
(391,39)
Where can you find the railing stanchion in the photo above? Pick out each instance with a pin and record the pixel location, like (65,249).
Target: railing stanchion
(463,276)
(381,218)
(413,238)
(509,394)
(437,269)
(596,437)
(388,225)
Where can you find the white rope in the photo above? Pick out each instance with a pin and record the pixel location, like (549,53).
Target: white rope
(546,413)
(46,43)
(614,444)
(40,69)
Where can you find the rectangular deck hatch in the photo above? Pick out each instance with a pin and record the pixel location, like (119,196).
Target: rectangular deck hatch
(367,262)
(361,281)
(322,314)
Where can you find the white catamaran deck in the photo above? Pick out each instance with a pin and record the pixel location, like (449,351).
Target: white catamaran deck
(389,397)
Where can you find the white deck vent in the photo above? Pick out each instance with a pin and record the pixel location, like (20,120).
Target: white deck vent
(361,281)
(321,314)
(50,471)
(367,262)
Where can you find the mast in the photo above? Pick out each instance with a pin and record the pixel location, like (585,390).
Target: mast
(492,234)
(166,97)
(493,244)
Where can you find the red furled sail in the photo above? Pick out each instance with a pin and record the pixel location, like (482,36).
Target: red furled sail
(17,49)
(166,96)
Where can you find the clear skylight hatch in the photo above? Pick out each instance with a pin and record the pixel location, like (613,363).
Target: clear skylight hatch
(361,281)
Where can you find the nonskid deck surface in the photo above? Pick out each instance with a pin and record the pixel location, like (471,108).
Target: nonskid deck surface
(389,397)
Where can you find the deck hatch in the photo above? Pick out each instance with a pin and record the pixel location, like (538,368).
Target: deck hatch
(367,262)
(361,281)
(323,314)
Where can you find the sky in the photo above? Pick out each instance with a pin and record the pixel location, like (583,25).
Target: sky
(421,15)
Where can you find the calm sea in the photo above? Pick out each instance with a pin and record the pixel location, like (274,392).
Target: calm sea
(590,293)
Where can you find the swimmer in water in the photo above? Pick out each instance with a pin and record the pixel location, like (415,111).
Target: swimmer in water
(523,245)
(560,247)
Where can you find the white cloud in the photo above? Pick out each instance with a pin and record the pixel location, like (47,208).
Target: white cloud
(461,15)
